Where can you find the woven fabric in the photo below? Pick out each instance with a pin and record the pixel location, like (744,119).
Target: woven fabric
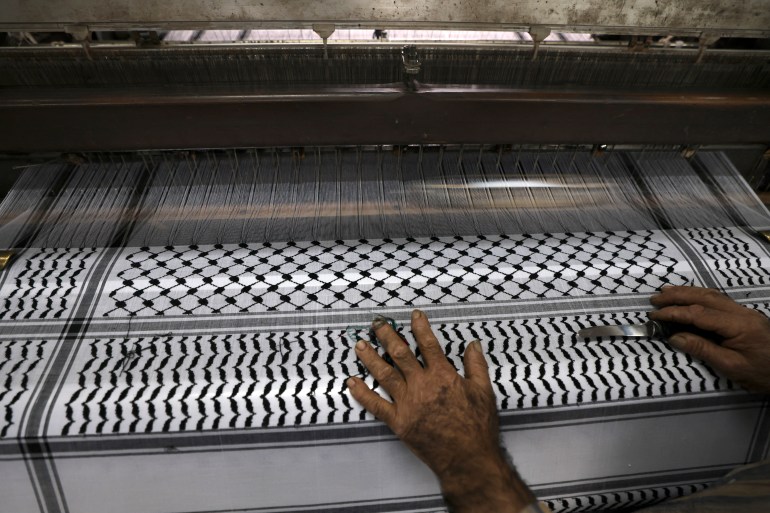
(209,377)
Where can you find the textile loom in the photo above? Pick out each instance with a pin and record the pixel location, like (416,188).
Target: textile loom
(204,202)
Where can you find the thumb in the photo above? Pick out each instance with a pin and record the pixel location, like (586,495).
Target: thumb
(476,368)
(718,357)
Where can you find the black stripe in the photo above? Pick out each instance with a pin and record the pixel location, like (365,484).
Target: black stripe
(699,475)
(696,263)
(650,200)
(641,482)
(374,506)
(705,175)
(30,444)
(174,448)
(150,326)
(35,224)
(761,435)
(133,207)
(515,420)
(695,475)
(44,492)
(266,321)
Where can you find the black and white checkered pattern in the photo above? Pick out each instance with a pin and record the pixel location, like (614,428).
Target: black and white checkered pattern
(177,370)
(299,276)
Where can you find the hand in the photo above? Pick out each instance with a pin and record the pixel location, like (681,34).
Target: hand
(744,354)
(448,421)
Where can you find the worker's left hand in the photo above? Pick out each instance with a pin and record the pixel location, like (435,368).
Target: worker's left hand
(744,352)
(448,421)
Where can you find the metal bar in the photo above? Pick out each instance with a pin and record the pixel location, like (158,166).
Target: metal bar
(740,18)
(131,121)
(285,67)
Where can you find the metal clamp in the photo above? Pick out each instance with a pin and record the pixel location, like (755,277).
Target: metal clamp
(538,34)
(705,40)
(412,65)
(324,31)
(81,34)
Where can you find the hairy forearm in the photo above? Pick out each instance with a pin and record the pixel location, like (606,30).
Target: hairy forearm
(490,484)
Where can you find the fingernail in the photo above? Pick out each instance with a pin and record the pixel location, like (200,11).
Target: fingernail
(476,345)
(416,314)
(664,287)
(350,382)
(677,341)
(379,322)
(360,345)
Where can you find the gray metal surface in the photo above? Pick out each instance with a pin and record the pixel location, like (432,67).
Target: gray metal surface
(622,330)
(719,17)
(158,120)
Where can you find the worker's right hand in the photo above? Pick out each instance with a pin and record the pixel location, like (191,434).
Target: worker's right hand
(449,421)
(744,353)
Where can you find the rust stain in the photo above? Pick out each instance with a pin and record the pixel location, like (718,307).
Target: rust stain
(690,14)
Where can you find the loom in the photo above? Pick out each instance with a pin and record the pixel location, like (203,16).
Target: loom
(204,201)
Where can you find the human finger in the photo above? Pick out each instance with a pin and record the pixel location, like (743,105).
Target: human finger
(683,296)
(388,377)
(371,401)
(721,359)
(476,368)
(396,346)
(431,350)
(722,323)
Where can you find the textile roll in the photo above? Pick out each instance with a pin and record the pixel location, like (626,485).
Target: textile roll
(176,331)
